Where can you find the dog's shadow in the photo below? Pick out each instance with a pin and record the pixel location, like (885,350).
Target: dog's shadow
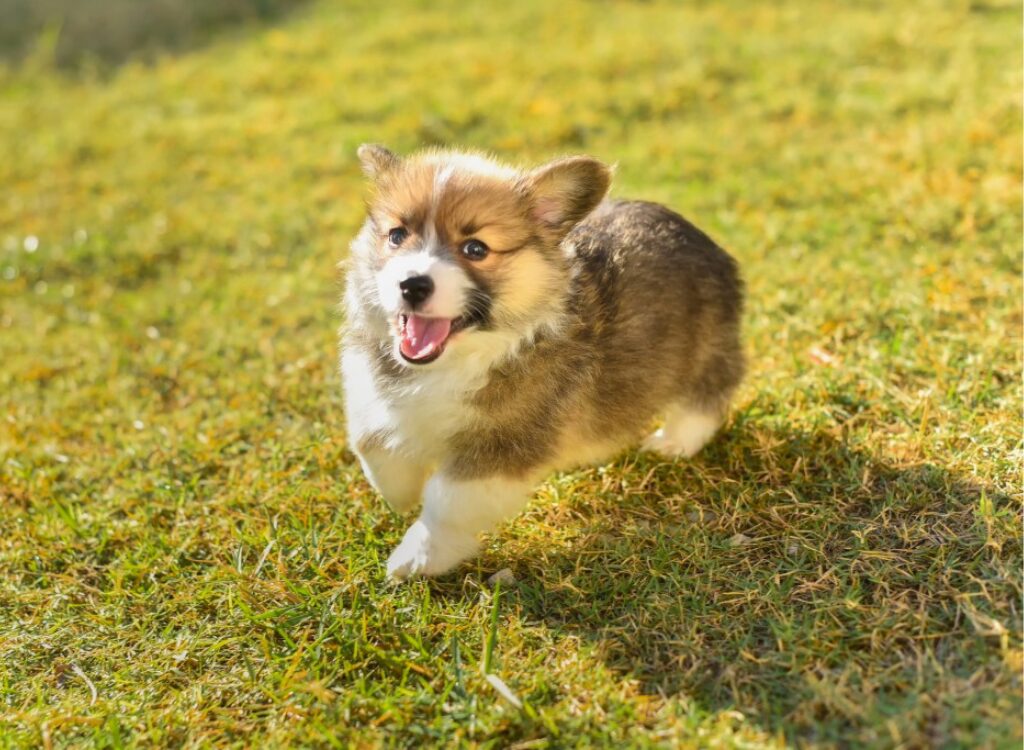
(782,573)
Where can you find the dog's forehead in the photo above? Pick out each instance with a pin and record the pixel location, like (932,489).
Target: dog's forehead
(463,200)
(452,195)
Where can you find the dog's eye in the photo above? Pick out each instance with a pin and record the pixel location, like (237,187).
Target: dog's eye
(397,236)
(475,249)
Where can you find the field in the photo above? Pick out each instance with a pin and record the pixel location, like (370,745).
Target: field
(189,554)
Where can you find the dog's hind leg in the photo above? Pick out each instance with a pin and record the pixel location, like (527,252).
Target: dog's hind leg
(694,416)
(687,429)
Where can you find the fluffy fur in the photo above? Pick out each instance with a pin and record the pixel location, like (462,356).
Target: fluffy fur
(584,321)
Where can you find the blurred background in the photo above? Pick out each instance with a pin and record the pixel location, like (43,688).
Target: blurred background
(178,183)
(77,34)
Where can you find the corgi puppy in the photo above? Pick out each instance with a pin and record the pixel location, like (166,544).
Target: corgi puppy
(504,323)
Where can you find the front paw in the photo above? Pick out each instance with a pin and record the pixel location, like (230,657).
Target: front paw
(428,552)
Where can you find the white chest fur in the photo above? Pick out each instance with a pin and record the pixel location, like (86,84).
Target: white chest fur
(417,415)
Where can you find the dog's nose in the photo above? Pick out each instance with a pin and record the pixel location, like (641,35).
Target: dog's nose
(416,289)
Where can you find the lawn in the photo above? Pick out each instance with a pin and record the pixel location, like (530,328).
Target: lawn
(189,555)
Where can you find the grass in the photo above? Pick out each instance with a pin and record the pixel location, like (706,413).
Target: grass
(189,556)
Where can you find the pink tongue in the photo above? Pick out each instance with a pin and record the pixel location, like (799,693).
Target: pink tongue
(423,336)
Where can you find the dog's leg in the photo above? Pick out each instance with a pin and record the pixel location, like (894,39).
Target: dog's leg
(686,431)
(398,479)
(455,513)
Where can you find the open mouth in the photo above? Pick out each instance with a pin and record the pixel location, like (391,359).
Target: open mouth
(423,339)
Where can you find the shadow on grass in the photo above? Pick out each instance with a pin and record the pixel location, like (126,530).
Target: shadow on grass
(812,586)
(111,32)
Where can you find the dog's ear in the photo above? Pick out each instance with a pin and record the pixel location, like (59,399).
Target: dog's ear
(566,190)
(376,160)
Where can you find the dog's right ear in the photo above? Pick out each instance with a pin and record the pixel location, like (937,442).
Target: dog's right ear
(376,160)
(566,190)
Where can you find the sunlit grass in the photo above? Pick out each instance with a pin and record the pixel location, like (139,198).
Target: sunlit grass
(188,554)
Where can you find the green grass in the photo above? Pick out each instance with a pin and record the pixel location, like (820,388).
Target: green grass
(190,557)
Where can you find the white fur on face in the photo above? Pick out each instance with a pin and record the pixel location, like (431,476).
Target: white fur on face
(451,284)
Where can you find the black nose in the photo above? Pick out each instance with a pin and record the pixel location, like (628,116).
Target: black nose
(416,289)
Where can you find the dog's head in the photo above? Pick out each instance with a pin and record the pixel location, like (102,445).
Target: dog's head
(457,245)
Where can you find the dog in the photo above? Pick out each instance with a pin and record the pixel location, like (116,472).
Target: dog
(502,324)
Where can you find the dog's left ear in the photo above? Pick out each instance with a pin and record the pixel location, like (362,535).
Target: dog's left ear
(566,190)
(376,160)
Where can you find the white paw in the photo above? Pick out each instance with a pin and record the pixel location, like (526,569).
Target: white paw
(424,552)
(661,443)
(684,434)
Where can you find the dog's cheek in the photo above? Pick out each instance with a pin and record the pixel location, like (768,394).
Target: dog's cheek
(525,285)
(387,277)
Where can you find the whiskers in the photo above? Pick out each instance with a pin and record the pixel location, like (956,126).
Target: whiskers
(478,309)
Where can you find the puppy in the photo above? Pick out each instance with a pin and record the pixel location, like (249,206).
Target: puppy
(502,324)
